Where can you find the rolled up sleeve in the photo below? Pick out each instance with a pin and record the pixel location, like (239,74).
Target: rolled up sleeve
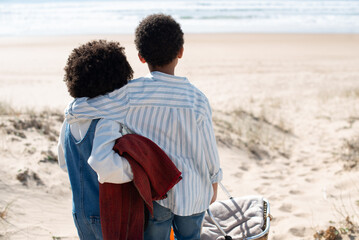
(210,150)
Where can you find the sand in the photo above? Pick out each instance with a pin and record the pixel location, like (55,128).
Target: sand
(285,111)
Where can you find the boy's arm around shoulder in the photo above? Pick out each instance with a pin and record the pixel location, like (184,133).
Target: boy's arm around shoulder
(109,166)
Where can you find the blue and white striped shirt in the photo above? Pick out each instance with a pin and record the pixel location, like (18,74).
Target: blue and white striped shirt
(174,114)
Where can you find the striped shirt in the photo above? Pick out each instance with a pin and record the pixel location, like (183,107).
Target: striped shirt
(174,114)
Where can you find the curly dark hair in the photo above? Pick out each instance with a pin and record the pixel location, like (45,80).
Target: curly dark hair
(96,68)
(158,39)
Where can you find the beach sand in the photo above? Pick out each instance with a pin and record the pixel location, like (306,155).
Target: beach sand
(285,112)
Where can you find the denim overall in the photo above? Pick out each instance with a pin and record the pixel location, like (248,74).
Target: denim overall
(84,184)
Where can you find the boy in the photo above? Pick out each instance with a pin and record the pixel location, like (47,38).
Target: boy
(93,69)
(175,115)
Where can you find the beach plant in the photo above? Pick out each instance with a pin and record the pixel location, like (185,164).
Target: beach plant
(4,210)
(49,156)
(245,130)
(7,109)
(27,175)
(351,93)
(350,153)
(3,141)
(260,130)
(329,234)
(347,212)
(40,122)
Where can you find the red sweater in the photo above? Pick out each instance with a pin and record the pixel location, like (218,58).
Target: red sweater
(122,205)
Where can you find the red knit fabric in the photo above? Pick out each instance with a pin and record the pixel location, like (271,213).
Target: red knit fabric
(122,205)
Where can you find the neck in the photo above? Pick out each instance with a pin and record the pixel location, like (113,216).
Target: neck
(163,70)
(168,69)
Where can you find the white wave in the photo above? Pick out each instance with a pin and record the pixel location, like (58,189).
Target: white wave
(99,17)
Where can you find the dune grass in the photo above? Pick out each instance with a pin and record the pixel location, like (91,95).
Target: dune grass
(28,118)
(4,211)
(7,109)
(265,134)
(350,153)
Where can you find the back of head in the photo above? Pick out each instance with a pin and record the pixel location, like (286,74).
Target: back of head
(96,68)
(158,39)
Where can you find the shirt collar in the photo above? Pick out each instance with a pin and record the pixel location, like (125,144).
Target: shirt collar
(165,77)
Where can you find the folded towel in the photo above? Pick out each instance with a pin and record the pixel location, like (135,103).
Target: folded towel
(238,217)
(122,205)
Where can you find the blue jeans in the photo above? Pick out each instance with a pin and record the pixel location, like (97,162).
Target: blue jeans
(184,227)
(88,230)
(84,184)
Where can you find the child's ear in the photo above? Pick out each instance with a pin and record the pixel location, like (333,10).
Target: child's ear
(180,53)
(141,58)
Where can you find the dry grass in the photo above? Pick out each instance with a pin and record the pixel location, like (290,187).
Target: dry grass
(347,227)
(345,230)
(4,211)
(49,156)
(344,92)
(350,153)
(263,136)
(3,141)
(7,109)
(27,176)
(19,126)
(330,234)
(29,119)
(351,93)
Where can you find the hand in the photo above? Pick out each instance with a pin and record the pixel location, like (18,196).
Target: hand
(214,197)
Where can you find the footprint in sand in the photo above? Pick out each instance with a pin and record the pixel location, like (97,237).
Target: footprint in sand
(302,175)
(286,207)
(237,175)
(299,160)
(285,184)
(275,197)
(270,177)
(244,168)
(298,232)
(259,190)
(266,177)
(295,192)
(302,215)
(287,164)
(310,180)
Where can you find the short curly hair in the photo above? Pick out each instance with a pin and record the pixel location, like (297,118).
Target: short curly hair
(96,68)
(158,39)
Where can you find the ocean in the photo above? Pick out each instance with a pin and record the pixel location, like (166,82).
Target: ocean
(55,17)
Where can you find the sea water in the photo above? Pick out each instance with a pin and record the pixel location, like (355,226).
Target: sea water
(55,17)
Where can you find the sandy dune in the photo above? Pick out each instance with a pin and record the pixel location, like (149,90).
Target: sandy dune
(286,116)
